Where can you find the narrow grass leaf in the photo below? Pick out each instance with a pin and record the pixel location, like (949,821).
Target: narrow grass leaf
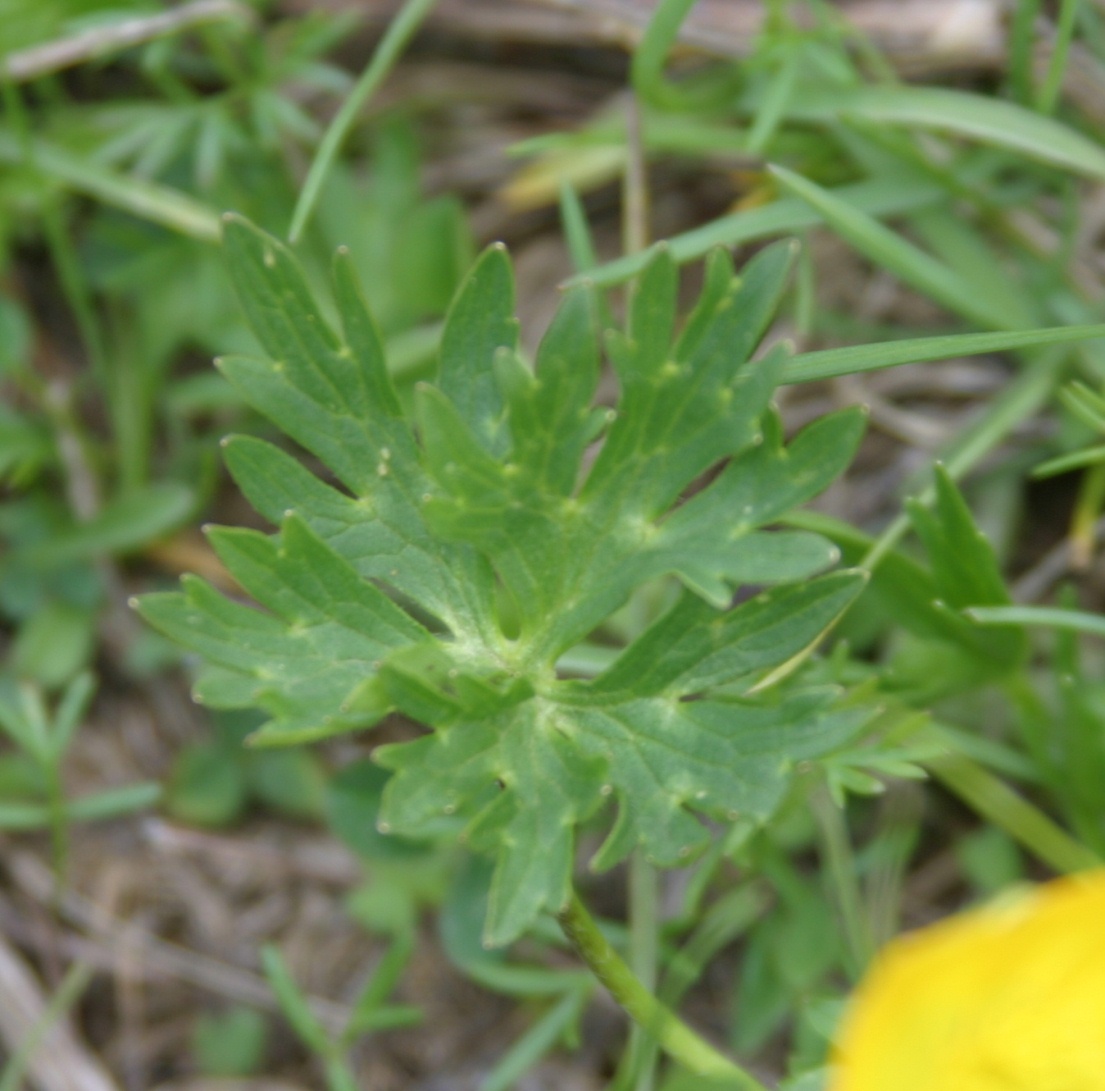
(892,195)
(889,250)
(989,120)
(831,363)
(394,41)
(536,1042)
(114,802)
(292,1002)
(124,525)
(1048,617)
(146,200)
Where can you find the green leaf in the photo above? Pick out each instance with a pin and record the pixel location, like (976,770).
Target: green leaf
(54,644)
(691,647)
(963,562)
(891,251)
(83,174)
(711,551)
(891,195)
(981,117)
(371,1010)
(114,802)
(480,324)
(352,805)
(293,1003)
(681,413)
(289,782)
(206,787)
(965,573)
(537,1041)
(124,525)
(336,400)
(382,589)
(231,1043)
(1075,621)
(831,363)
(110,803)
(24,816)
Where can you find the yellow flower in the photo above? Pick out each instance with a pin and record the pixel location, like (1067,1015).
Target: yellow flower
(1010,997)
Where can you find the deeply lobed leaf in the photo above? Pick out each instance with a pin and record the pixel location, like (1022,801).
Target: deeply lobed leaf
(383,590)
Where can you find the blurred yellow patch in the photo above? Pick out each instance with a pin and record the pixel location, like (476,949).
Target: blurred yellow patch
(1010,997)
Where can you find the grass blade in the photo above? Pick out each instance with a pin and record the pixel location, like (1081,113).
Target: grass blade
(889,250)
(1077,621)
(394,41)
(146,200)
(536,1042)
(886,196)
(831,363)
(1060,54)
(68,993)
(989,120)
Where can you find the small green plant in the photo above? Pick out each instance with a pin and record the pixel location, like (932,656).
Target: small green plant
(472,542)
(32,794)
(464,567)
(231,1043)
(371,1012)
(473,516)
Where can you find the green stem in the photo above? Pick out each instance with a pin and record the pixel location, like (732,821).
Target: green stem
(1022,33)
(59,829)
(638,1063)
(1087,510)
(676,1039)
(994,800)
(339,1077)
(1048,97)
(711,90)
(67,994)
(634,183)
(394,41)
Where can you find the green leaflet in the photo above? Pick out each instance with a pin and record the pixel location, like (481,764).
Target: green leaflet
(965,573)
(379,592)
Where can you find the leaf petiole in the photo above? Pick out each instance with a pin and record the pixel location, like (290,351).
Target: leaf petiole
(677,1039)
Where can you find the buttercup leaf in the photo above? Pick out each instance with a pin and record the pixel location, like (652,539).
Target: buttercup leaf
(382,589)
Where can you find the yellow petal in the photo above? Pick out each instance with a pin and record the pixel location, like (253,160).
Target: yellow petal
(1010,997)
